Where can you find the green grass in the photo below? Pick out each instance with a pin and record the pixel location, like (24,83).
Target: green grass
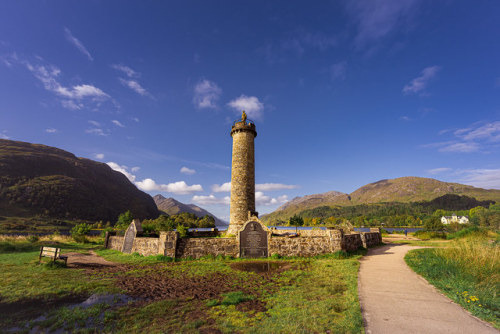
(307,295)
(468,272)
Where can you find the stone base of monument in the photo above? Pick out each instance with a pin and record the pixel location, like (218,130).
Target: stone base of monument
(254,240)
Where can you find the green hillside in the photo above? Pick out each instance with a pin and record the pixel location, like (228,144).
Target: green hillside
(400,190)
(52,185)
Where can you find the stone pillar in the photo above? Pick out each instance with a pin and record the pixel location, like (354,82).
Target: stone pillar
(167,243)
(242,175)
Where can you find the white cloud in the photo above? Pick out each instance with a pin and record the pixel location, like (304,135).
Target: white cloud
(126,70)
(135,169)
(122,169)
(337,71)
(419,83)
(264,200)
(73,40)
(97,131)
(51,130)
(250,104)
(460,147)
(117,123)
(405,118)
(187,171)
(438,170)
(489,131)
(482,178)
(211,200)
(179,188)
(376,19)
(206,94)
(226,187)
(148,184)
(135,119)
(99,156)
(136,87)
(95,123)
(3,135)
(72,105)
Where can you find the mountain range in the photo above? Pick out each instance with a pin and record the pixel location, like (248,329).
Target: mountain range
(403,190)
(171,206)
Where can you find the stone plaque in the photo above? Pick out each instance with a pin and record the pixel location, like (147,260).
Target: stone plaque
(253,241)
(128,239)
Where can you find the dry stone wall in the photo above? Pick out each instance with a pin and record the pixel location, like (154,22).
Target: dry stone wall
(198,247)
(322,242)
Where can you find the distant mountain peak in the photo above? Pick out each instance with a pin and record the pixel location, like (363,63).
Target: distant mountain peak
(171,206)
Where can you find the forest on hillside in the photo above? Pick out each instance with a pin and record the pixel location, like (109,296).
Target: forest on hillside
(415,214)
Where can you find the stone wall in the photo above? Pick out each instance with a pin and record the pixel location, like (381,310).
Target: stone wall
(370,239)
(198,247)
(115,243)
(303,233)
(318,242)
(145,246)
(352,242)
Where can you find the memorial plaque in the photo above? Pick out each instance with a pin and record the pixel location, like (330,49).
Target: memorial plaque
(253,241)
(128,239)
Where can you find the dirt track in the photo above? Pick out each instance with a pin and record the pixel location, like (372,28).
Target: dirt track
(394,299)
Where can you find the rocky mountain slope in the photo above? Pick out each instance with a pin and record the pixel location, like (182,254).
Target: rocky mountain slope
(171,207)
(47,181)
(403,189)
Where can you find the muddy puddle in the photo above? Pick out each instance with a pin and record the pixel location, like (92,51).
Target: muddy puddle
(261,267)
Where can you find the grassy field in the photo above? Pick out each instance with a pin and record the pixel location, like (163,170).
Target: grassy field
(150,294)
(467,270)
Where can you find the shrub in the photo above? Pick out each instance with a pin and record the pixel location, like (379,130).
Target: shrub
(124,220)
(32,238)
(468,231)
(79,231)
(212,302)
(183,230)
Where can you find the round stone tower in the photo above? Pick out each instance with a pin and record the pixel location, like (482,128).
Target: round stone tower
(242,174)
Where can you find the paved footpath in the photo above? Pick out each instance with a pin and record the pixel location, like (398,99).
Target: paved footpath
(396,300)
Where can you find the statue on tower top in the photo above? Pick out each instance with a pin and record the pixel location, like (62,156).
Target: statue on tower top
(244,116)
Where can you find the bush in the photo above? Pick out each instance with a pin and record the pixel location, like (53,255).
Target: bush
(183,230)
(124,220)
(32,238)
(79,231)
(468,231)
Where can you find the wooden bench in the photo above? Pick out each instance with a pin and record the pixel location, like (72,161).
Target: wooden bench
(52,252)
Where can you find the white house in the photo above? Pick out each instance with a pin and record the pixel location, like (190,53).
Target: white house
(454,219)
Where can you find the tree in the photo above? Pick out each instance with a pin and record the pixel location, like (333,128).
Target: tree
(124,220)
(296,221)
(433,224)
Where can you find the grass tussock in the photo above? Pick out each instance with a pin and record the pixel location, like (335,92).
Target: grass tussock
(468,272)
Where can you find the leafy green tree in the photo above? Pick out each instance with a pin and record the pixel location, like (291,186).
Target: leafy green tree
(124,220)
(78,232)
(433,224)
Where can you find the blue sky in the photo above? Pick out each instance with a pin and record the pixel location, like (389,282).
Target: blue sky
(343,93)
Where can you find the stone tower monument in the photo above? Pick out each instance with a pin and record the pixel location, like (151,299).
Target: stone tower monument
(242,174)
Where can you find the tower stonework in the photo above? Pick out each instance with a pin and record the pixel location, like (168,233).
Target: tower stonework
(242,174)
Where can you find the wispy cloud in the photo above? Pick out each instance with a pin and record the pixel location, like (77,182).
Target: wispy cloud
(206,94)
(99,156)
(438,170)
(126,70)
(76,42)
(51,130)
(135,86)
(405,118)
(96,129)
(211,200)
(178,188)
(264,200)
(419,84)
(482,178)
(117,123)
(251,104)
(377,19)
(481,136)
(187,171)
